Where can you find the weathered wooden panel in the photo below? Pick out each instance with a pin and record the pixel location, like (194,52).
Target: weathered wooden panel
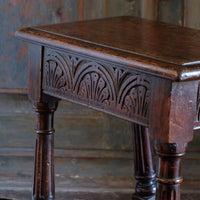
(93,9)
(170,11)
(94,129)
(76,126)
(192,13)
(121,7)
(149,9)
(15,14)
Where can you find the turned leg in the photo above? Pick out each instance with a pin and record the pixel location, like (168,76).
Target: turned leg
(169,172)
(43,185)
(144,166)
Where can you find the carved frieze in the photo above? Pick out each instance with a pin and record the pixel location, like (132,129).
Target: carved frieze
(100,84)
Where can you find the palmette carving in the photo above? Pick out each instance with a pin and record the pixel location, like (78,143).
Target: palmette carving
(57,74)
(93,82)
(99,84)
(133,96)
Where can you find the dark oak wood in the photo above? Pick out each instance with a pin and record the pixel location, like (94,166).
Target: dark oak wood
(149,76)
(152,46)
(169,172)
(44,184)
(144,165)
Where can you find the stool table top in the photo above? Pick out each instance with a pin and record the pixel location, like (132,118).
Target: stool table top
(165,50)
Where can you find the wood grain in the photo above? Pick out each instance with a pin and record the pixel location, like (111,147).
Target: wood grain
(93,9)
(191,14)
(121,7)
(16,112)
(149,9)
(164,55)
(170,11)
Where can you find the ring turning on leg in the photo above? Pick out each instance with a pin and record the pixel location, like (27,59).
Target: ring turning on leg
(144,165)
(44,186)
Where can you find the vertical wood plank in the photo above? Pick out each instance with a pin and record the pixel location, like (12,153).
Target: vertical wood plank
(170,11)
(93,9)
(149,9)
(80,9)
(121,7)
(192,13)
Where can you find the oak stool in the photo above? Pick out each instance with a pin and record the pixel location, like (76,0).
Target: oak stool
(139,70)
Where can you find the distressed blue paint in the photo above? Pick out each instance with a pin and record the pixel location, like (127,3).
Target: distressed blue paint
(15,14)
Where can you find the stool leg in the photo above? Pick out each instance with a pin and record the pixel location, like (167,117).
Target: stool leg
(169,173)
(44,186)
(144,166)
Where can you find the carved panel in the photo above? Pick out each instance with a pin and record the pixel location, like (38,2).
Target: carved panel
(93,82)
(133,96)
(98,84)
(57,74)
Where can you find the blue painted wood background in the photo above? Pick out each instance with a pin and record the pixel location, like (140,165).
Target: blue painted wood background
(15,14)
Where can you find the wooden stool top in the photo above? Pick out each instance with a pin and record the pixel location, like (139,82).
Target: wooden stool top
(165,50)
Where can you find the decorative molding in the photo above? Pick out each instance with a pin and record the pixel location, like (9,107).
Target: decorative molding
(96,83)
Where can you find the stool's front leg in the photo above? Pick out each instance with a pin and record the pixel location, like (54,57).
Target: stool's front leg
(44,186)
(144,165)
(172,121)
(169,172)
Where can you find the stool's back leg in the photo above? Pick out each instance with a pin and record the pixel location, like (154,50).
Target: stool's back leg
(144,165)
(44,186)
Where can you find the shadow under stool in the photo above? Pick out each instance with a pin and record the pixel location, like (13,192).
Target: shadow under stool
(142,71)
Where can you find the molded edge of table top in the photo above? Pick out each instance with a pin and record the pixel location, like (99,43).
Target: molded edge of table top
(176,72)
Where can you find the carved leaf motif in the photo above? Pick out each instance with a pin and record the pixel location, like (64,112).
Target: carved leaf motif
(73,62)
(93,87)
(57,74)
(134,96)
(93,82)
(120,75)
(137,101)
(82,79)
(54,77)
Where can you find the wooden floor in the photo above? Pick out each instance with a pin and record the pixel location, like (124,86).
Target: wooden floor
(24,195)
(88,179)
